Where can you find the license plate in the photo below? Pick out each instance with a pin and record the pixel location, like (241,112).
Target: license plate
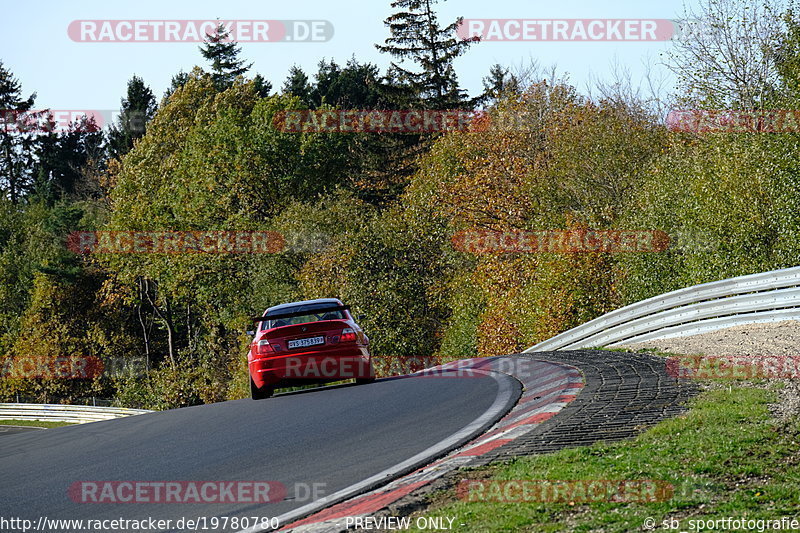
(303,343)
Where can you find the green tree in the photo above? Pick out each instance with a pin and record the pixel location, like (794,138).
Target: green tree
(223,55)
(356,86)
(263,86)
(787,56)
(178,81)
(730,203)
(499,83)
(138,108)
(68,163)
(16,144)
(214,161)
(415,35)
(524,175)
(297,84)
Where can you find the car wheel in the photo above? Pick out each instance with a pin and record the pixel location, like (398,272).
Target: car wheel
(260,393)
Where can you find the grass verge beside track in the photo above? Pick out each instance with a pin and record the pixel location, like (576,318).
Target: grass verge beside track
(34,423)
(726,457)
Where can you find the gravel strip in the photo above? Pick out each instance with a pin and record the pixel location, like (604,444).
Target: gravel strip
(746,343)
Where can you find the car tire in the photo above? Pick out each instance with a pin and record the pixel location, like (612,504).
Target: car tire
(260,393)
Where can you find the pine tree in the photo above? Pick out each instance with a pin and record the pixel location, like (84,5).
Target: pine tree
(498,83)
(417,36)
(16,145)
(263,86)
(138,107)
(224,58)
(67,162)
(356,86)
(178,81)
(297,84)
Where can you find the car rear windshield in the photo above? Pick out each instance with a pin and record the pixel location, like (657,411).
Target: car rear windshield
(315,313)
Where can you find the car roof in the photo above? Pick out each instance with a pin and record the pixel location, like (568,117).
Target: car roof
(334,301)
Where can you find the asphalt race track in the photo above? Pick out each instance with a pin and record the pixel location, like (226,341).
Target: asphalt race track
(334,438)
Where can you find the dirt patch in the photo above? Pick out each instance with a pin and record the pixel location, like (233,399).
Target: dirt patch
(750,342)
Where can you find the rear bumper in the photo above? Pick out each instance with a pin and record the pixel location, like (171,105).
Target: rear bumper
(331,365)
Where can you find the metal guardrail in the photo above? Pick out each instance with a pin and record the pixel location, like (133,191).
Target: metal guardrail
(77,414)
(766,297)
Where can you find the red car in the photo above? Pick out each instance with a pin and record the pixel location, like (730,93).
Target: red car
(314,341)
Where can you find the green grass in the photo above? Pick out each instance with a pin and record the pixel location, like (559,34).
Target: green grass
(34,423)
(725,457)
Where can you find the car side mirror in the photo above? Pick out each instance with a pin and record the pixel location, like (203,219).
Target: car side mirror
(251,332)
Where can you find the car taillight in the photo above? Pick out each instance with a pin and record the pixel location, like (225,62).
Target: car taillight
(348,335)
(264,347)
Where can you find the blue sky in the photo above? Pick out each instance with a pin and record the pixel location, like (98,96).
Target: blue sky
(75,75)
